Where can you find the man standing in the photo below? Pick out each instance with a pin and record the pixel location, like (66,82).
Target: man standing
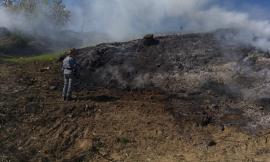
(69,69)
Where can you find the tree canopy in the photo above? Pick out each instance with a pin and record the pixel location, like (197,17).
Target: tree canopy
(54,10)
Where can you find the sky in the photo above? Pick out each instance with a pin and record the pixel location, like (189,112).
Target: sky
(104,9)
(256,8)
(240,5)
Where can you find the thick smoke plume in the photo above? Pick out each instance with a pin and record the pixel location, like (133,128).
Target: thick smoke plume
(122,19)
(125,19)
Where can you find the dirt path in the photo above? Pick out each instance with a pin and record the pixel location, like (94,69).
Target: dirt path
(107,125)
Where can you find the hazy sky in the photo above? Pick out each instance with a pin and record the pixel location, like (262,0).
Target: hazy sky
(128,19)
(256,8)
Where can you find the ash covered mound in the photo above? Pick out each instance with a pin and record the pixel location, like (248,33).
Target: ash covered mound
(196,69)
(149,62)
(171,62)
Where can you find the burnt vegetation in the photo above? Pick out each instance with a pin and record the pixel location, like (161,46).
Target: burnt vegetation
(194,96)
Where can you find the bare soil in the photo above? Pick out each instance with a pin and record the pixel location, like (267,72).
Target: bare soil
(173,98)
(106,124)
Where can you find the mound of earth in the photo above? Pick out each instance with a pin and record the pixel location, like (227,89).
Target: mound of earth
(138,65)
(201,64)
(193,97)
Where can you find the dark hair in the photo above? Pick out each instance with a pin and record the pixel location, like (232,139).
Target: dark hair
(72,52)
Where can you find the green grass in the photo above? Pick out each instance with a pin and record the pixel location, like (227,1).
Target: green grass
(27,59)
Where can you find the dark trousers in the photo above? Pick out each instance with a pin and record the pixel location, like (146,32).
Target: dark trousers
(67,90)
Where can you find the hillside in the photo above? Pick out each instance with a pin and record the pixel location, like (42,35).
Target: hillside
(193,97)
(209,66)
(17,43)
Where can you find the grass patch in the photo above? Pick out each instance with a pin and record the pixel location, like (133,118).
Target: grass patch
(38,58)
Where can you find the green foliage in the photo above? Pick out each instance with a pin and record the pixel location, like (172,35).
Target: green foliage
(54,10)
(38,58)
(28,5)
(7,3)
(13,42)
(60,14)
(19,40)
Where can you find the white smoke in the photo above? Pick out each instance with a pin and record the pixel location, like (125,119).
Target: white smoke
(39,21)
(126,19)
(122,19)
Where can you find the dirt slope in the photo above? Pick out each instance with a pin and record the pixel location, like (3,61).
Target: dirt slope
(211,67)
(110,125)
(208,122)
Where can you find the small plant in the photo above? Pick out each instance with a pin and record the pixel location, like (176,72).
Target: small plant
(122,140)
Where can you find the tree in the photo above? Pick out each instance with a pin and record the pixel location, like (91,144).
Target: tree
(28,5)
(54,10)
(7,3)
(59,12)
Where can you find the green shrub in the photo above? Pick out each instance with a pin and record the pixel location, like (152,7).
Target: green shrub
(20,41)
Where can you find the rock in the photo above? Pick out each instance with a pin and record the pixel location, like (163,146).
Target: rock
(27,80)
(53,88)
(149,40)
(32,107)
(159,132)
(211,143)
(16,91)
(45,69)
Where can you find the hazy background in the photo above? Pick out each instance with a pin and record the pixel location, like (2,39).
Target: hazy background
(118,20)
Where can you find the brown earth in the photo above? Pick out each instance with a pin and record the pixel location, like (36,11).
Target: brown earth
(105,124)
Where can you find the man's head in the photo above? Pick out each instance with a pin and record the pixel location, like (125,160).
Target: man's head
(72,52)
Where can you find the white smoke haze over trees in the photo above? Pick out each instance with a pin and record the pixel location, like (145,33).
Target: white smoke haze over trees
(126,19)
(32,15)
